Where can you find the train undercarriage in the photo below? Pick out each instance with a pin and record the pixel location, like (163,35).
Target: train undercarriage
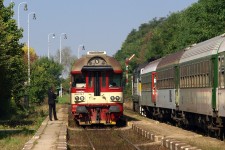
(213,126)
(96,114)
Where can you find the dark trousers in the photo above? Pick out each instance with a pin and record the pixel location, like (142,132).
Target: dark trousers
(52,107)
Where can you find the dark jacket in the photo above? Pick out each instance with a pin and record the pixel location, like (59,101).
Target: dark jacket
(51,97)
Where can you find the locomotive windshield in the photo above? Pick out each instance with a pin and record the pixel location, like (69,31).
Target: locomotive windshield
(79,81)
(115,80)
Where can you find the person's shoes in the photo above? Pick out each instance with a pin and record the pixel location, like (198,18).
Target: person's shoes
(50,119)
(56,119)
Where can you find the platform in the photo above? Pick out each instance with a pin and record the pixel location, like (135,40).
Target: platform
(52,134)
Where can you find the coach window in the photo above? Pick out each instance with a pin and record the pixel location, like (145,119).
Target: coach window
(207,73)
(221,71)
(114,80)
(183,77)
(195,75)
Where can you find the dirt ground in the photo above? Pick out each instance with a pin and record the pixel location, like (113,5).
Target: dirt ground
(169,131)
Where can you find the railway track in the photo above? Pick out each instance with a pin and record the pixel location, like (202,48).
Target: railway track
(150,127)
(89,141)
(128,141)
(107,138)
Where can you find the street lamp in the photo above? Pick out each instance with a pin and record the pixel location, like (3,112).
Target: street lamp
(82,48)
(28,43)
(60,56)
(53,36)
(25,9)
(60,53)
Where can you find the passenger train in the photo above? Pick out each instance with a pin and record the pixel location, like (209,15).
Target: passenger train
(96,89)
(186,87)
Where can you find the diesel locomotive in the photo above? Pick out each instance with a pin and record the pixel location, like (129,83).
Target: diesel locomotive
(186,87)
(96,89)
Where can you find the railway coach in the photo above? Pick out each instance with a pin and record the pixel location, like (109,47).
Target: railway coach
(96,89)
(136,87)
(189,88)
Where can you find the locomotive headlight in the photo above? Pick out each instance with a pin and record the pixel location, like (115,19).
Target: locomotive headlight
(117,98)
(112,98)
(77,98)
(82,98)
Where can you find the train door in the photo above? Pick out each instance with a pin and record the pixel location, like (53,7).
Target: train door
(221,84)
(99,82)
(154,87)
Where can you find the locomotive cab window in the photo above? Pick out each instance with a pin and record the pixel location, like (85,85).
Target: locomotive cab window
(79,81)
(114,80)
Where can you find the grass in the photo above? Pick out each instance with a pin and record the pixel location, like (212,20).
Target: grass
(15,139)
(19,129)
(64,100)
(14,133)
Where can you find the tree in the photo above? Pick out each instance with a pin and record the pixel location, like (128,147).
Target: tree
(44,73)
(12,74)
(33,55)
(67,59)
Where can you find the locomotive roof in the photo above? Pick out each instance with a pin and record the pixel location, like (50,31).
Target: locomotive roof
(203,49)
(171,59)
(96,60)
(151,66)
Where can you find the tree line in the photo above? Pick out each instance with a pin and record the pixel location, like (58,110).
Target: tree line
(45,72)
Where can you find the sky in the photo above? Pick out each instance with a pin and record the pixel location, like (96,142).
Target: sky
(99,25)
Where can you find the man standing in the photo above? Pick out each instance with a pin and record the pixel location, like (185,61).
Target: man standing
(51,103)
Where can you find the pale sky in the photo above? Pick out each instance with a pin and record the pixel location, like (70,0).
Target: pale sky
(99,25)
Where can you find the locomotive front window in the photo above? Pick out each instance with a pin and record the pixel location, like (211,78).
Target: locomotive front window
(89,79)
(103,79)
(115,80)
(79,81)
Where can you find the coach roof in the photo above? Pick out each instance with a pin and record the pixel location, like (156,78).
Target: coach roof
(170,60)
(151,66)
(204,49)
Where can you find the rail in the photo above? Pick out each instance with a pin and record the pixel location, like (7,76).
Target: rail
(89,140)
(128,141)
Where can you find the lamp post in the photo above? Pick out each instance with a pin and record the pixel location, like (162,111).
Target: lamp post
(28,43)
(25,9)
(82,48)
(60,56)
(60,53)
(53,36)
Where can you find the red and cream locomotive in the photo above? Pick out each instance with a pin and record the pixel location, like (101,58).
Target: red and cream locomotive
(96,89)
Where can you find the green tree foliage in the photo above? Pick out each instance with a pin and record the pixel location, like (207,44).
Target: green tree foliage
(44,73)
(12,75)
(201,21)
(137,43)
